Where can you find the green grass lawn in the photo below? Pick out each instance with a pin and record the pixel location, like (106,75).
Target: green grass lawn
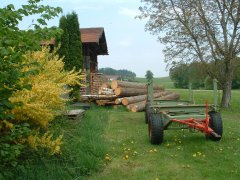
(112,143)
(183,155)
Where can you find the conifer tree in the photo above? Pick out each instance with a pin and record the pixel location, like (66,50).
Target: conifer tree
(71,45)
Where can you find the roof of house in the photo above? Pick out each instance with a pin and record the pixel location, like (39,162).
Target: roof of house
(94,35)
(89,35)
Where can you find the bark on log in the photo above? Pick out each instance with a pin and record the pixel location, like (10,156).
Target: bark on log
(129,91)
(99,97)
(125,84)
(135,99)
(104,102)
(140,106)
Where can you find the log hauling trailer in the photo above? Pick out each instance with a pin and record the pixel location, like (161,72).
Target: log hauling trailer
(161,115)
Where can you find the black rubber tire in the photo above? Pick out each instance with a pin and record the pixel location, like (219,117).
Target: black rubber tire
(156,129)
(147,113)
(150,116)
(215,123)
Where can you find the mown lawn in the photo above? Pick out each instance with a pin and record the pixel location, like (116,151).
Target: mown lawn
(183,155)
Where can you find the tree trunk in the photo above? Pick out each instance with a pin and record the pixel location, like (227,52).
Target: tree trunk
(227,85)
(129,91)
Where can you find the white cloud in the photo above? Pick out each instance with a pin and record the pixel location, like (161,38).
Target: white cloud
(132,13)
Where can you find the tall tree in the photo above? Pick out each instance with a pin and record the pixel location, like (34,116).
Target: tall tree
(149,75)
(198,30)
(64,38)
(71,45)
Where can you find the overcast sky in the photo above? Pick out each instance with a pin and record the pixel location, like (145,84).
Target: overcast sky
(129,46)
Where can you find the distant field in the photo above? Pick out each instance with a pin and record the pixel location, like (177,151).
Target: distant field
(163,81)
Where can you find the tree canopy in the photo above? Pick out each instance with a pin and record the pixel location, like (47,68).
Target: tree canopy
(149,75)
(198,30)
(123,73)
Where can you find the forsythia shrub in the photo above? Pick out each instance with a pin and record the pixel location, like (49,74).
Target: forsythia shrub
(41,103)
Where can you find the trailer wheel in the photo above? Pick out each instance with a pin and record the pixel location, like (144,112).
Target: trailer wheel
(215,122)
(155,129)
(147,113)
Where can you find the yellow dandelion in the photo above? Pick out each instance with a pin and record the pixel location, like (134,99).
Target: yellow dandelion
(132,142)
(155,150)
(194,155)
(150,150)
(157,178)
(126,157)
(107,158)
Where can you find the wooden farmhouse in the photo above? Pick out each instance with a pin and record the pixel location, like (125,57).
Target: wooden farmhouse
(94,44)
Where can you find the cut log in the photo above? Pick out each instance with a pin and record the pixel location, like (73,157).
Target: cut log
(106,85)
(129,107)
(129,91)
(105,91)
(104,102)
(135,99)
(118,100)
(98,97)
(125,84)
(140,106)
(137,107)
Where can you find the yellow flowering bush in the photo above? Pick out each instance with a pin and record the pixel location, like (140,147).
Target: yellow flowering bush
(41,103)
(48,80)
(46,141)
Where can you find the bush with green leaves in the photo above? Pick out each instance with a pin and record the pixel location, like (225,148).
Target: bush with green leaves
(14,43)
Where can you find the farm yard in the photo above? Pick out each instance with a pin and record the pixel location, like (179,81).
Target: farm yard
(66,113)
(113,143)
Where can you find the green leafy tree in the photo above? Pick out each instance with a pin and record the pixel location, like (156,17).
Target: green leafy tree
(198,30)
(183,74)
(123,73)
(14,43)
(149,75)
(70,42)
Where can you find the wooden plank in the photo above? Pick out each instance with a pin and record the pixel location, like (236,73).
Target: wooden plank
(74,114)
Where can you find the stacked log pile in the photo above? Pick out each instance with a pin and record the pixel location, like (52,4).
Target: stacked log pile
(97,79)
(130,94)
